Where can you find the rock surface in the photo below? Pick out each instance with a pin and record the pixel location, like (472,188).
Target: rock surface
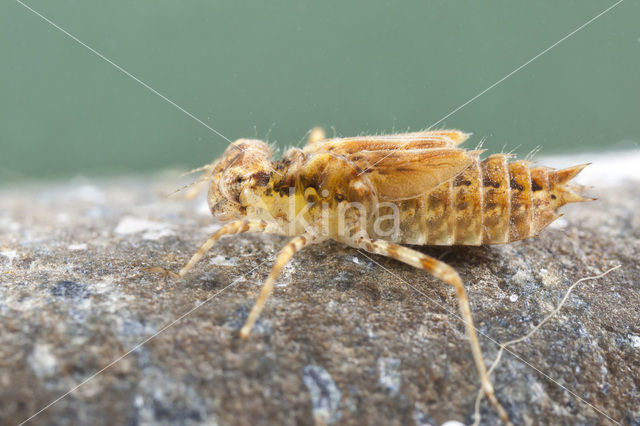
(341,340)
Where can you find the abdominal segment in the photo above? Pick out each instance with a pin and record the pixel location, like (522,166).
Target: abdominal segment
(491,202)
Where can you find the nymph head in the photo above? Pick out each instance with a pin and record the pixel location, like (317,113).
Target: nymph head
(243,169)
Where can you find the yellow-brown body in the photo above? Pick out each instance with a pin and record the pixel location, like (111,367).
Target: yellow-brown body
(490,201)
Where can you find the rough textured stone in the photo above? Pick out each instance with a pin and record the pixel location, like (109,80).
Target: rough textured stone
(341,340)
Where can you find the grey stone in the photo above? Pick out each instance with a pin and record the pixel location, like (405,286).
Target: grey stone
(389,375)
(70,289)
(339,334)
(325,395)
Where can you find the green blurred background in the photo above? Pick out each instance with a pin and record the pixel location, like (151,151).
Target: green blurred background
(250,68)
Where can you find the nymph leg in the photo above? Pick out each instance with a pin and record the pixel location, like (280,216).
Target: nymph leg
(237,227)
(288,251)
(449,275)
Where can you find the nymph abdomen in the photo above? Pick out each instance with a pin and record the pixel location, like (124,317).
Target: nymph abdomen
(490,202)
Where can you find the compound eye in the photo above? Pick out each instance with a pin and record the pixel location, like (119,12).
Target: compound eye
(261,178)
(231,184)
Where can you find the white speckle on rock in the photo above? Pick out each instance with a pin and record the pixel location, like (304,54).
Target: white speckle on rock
(132,225)
(138,401)
(152,230)
(513,298)
(42,361)
(332,306)
(635,341)
(285,276)
(548,278)
(9,254)
(356,260)
(389,374)
(157,234)
(452,423)
(325,394)
(77,247)
(220,260)
(560,223)
(371,334)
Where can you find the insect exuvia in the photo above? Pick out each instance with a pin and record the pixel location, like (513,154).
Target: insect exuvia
(377,192)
